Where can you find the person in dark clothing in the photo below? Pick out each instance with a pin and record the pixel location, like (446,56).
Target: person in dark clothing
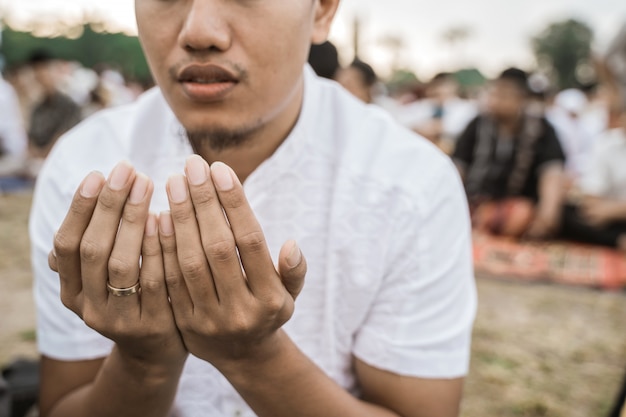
(55,114)
(507,155)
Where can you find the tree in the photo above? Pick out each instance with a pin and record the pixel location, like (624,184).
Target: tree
(564,48)
(91,47)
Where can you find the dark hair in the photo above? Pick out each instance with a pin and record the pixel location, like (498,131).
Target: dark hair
(39,57)
(517,77)
(368,73)
(324,59)
(443,76)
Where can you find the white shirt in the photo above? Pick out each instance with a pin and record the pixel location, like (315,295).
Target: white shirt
(457,114)
(379,213)
(606,172)
(13,141)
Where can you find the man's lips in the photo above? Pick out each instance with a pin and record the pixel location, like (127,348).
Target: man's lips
(206,82)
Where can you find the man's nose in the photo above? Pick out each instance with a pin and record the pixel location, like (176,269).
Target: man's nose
(206,27)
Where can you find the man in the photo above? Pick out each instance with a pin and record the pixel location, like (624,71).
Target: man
(509,156)
(55,113)
(189,315)
(599,217)
(13,142)
(359,79)
(442,115)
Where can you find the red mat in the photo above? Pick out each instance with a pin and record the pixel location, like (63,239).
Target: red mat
(560,262)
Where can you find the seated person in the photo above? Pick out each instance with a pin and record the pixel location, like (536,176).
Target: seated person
(443,114)
(359,79)
(599,217)
(512,164)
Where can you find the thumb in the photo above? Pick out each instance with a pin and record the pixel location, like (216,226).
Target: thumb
(292,268)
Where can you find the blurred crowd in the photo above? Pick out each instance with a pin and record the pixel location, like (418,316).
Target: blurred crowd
(43,98)
(536,163)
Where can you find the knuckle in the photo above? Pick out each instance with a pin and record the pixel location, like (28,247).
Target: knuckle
(150,285)
(274,303)
(91,251)
(233,199)
(64,245)
(120,267)
(222,250)
(168,245)
(182,215)
(80,208)
(173,280)
(109,202)
(253,241)
(151,247)
(92,319)
(203,198)
(240,324)
(133,214)
(193,268)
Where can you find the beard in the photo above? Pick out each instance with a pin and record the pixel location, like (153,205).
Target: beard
(221,139)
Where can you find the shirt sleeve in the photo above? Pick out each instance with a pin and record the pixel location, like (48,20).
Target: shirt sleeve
(550,149)
(421,321)
(61,334)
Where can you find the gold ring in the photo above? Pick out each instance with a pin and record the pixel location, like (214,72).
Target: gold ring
(122,292)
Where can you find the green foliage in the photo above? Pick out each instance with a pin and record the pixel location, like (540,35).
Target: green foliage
(402,78)
(93,46)
(564,47)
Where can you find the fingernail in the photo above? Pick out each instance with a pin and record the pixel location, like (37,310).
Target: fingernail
(91,185)
(295,256)
(196,170)
(222,176)
(120,175)
(178,188)
(166,226)
(151,225)
(139,190)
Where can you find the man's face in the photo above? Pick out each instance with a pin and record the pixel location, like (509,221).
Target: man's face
(505,100)
(229,66)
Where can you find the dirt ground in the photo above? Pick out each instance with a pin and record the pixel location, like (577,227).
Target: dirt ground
(538,350)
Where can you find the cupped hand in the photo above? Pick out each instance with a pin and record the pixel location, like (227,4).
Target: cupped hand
(109,238)
(229,300)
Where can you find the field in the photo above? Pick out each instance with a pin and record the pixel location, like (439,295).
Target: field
(539,350)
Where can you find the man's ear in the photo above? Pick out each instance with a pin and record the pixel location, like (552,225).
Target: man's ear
(324,13)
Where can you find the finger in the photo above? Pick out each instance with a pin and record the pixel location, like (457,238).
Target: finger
(98,240)
(191,257)
(216,235)
(153,298)
(249,237)
(123,265)
(176,287)
(292,268)
(66,248)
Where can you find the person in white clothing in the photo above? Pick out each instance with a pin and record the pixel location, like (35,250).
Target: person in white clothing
(600,215)
(13,139)
(193,312)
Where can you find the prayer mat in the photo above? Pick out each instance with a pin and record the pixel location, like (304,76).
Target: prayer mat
(560,262)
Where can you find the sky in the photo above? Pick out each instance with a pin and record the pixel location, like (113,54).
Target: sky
(499,29)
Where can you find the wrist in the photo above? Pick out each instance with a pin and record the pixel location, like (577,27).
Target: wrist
(148,368)
(263,355)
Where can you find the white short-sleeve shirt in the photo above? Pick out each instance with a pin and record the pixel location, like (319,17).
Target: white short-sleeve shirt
(379,213)
(605,175)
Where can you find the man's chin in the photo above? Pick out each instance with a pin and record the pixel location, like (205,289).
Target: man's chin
(219,138)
